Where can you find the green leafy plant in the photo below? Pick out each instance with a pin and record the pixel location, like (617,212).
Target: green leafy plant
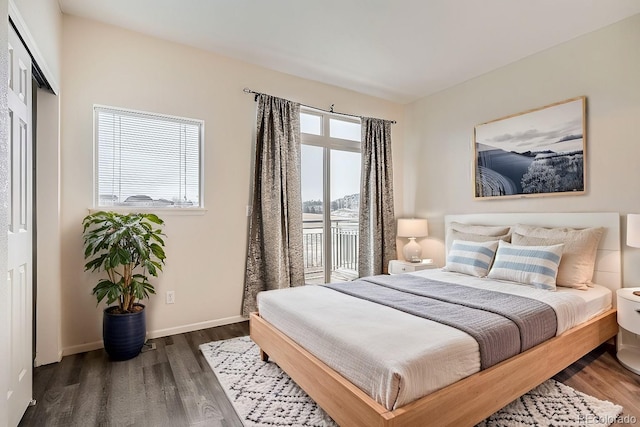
(126,247)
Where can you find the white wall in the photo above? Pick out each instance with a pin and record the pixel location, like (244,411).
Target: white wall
(205,254)
(43,19)
(604,66)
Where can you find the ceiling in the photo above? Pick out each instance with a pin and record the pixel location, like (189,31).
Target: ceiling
(399,50)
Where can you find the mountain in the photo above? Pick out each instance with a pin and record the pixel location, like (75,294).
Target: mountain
(350,202)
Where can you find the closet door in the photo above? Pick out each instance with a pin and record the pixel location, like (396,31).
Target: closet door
(19,275)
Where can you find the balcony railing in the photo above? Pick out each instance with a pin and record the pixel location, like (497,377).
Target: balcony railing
(344,250)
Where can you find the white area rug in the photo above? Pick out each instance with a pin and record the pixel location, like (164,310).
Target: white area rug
(263,395)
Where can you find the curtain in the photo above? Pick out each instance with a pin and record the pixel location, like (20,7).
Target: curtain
(377,244)
(274,254)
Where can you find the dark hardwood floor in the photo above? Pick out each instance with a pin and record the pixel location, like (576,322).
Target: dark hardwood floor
(174,386)
(171,386)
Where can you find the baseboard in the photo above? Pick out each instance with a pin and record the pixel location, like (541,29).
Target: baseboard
(159,333)
(82,348)
(195,326)
(38,361)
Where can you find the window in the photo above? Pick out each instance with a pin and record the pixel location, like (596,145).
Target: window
(330,196)
(147,159)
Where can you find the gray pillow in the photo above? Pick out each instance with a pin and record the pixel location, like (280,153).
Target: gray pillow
(473,237)
(485,230)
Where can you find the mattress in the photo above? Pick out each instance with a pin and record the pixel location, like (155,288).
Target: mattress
(393,356)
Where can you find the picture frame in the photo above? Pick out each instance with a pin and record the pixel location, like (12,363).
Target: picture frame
(539,152)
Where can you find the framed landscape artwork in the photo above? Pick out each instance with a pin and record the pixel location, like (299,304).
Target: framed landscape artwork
(536,153)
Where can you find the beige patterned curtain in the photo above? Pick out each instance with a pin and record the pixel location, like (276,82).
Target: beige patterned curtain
(377,219)
(274,255)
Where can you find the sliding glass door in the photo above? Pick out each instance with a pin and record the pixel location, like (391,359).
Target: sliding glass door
(330,196)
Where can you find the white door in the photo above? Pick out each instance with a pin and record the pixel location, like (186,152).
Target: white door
(19,276)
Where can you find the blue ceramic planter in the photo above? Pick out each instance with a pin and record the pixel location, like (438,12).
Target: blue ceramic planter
(124,334)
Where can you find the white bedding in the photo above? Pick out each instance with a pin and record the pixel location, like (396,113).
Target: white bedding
(393,356)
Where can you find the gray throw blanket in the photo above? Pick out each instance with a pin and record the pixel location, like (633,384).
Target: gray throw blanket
(502,324)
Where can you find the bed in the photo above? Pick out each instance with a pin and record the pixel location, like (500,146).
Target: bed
(473,395)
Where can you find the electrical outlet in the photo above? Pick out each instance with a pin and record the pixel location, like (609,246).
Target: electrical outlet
(171,297)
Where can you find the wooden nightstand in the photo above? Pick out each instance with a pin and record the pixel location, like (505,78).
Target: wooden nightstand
(397,266)
(628,345)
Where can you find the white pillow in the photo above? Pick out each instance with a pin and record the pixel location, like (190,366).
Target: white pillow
(485,230)
(579,254)
(531,265)
(472,258)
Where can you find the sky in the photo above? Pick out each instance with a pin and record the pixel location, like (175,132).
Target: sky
(345,173)
(345,166)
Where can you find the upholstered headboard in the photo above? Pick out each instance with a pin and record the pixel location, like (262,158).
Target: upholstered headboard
(607,268)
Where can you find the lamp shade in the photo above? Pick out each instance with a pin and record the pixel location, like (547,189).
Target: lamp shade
(633,230)
(413,227)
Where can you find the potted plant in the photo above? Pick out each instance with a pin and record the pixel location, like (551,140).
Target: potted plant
(127,247)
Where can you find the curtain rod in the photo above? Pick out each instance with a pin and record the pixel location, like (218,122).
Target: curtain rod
(247,90)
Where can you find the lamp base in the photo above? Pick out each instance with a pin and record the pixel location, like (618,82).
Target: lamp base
(412,251)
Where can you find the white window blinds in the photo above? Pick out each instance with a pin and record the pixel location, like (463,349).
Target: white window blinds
(147,159)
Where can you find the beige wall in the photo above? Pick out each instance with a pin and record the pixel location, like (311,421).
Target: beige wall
(48,215)
(603,65)
(205,253)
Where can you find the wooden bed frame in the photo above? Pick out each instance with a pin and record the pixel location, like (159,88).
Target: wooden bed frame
(465,402)
(473,398)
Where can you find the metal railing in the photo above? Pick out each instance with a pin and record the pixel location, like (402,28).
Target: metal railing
(344,245)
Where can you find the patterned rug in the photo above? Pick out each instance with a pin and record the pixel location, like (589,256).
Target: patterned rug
(263,395)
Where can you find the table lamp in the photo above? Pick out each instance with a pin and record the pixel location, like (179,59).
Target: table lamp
(633,230)
(633,233)
(412,228)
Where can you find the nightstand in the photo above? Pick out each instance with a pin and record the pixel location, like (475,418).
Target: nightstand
(628,345)
(397,266)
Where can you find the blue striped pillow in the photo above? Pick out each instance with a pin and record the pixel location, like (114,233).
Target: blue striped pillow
(472,258)
(531,265)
